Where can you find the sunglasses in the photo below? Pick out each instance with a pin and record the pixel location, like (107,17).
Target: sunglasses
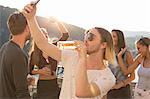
(89,36)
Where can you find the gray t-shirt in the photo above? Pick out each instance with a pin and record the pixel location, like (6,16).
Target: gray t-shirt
(13,72)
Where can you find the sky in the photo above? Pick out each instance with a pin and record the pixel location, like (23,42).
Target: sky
(132,15)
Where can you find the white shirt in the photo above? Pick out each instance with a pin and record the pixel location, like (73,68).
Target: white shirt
(103,78)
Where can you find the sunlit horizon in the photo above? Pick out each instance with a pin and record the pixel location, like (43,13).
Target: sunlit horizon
(133,15)
(126,15)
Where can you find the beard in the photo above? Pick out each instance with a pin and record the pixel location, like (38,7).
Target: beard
(94,50)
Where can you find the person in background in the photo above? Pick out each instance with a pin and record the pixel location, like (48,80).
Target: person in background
(13,60)
(122,88)
(47,87)
(70,58)
(142,89)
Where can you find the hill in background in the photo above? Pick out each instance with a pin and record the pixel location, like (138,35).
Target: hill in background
(136,33)
(76,33)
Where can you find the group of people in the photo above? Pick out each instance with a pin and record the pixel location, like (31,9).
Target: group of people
(100,67)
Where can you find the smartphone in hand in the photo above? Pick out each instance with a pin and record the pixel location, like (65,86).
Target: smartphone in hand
(35,3)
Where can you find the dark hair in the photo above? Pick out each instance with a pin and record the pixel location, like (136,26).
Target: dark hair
(121,40)
(16,23)
(144,41)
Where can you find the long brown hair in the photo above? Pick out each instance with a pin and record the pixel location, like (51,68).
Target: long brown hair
(36,55)
(109,51)
(121,39)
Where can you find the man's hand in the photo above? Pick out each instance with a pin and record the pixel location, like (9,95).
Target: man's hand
(81,48)
(29,11)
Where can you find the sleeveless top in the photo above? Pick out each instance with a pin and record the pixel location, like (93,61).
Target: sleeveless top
(144,77)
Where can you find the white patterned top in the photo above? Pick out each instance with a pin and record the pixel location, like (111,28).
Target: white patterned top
(104,79)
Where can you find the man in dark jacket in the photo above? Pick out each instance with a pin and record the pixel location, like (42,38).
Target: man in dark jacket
(13,60)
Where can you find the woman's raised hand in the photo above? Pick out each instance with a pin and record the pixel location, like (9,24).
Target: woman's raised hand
(122,52)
